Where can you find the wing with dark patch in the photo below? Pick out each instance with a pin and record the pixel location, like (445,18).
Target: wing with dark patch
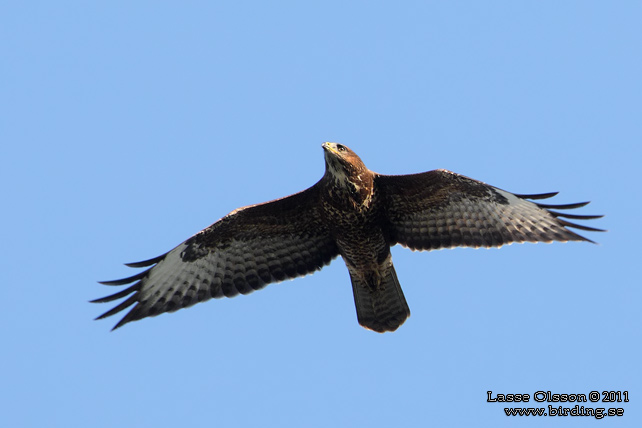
(441,209)
(240,253)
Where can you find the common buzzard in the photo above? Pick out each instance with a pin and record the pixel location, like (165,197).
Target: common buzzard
(352,212)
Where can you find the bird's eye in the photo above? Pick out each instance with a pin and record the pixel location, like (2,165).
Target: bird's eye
(341,147)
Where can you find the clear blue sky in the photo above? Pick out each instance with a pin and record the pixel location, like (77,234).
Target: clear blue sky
(127,127)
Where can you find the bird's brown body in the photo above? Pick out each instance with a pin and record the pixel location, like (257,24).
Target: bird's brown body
(352,212)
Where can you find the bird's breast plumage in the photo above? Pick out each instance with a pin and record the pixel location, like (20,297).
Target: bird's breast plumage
(356,228)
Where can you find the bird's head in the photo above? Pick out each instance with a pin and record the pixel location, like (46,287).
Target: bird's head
(341,162)
(348,175)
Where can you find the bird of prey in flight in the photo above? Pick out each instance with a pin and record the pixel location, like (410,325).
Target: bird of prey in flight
(352,212)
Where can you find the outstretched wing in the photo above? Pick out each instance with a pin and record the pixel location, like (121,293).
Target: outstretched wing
(240,253)
(441,209)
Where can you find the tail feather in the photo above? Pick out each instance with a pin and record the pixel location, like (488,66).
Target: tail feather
(381,305)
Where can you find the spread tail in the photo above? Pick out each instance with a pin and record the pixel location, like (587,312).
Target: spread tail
(381,305)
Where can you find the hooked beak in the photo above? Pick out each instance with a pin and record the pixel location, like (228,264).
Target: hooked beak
(330,147)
